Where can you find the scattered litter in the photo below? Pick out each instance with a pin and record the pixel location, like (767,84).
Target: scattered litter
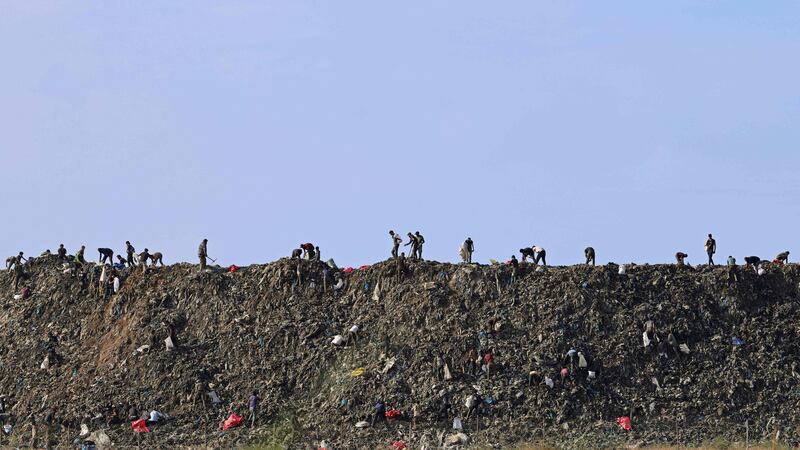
(233,421)
(140,426)
(625,423)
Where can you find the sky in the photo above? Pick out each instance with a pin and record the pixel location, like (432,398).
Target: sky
(634,127)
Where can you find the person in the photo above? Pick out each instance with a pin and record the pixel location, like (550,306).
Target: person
(12,261)
(62,252)
(296,253)
(412,241)
(105,254)
(46,253)
(753,261)
(539,255)
(472,403)
(143,258)
(526,253)
(380,413)
(252,405)
(18,273)
(711,248)
(396,241)
(680,257)
(466,250)
(157,257)
(202,253)
(155,416)
(308,250)
(130,251)
(79,255)
(120,264)
(783,257)
(514,266)
(317,255)
(589,253)
(420,241)
(400,267)
(731,261)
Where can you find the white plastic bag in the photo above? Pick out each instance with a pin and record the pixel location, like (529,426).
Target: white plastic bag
(623,270)
(457,424)
(338,340)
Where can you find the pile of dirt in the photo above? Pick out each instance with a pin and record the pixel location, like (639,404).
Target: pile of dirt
(566,344)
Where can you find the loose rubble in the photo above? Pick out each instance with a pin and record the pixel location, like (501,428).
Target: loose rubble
(460,355)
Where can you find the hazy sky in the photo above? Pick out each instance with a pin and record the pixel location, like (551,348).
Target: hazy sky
(636,127)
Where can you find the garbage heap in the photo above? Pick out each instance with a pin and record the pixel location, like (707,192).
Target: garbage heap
(554,355)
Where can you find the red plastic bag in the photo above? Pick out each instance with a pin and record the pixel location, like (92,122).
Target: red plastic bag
(232,422)
(364,267)
(624,422)
(347,270)
(399,445)
(392,413)
(140,426)
(233,268)
(564,372)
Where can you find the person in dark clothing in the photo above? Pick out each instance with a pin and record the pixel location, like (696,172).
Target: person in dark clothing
(540,255)
(514,267)
(711,248)
(308,250)
(317,254)
(396,241)
(296,253)
(589,253)
(120,264)
(420,241)
(13,261)
(753,261)
(526,253)
(106,254)
(380,413)
(62,252)
(130,251)
(782,257)
(202,254)
(467,248)
(412,241)
(252,406)
(680,257)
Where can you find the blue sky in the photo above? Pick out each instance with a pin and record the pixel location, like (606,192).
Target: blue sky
(634,127)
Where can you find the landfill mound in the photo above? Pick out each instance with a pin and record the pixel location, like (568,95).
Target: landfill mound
(728,371)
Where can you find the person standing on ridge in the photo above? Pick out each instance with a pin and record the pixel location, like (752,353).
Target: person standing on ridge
(130,251)
(396,241)
(412,241)
(202,253)
(144,257)
(420,241)
(711,248)
(589,253)
(466,250)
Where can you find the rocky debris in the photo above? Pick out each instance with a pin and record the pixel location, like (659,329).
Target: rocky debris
(555,354)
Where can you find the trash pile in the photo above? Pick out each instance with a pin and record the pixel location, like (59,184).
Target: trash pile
(418,355)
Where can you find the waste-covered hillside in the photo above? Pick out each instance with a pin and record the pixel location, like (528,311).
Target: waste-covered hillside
(729,368)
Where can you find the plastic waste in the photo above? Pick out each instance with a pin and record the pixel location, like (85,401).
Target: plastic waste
(736,341)
(139,426)
(358,372)
(457,425)
(623,269)
(338,340)
(362,424)
(625,423)
(233,421)
(549,382)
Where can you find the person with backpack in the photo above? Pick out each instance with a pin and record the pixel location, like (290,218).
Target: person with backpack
(711,248)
